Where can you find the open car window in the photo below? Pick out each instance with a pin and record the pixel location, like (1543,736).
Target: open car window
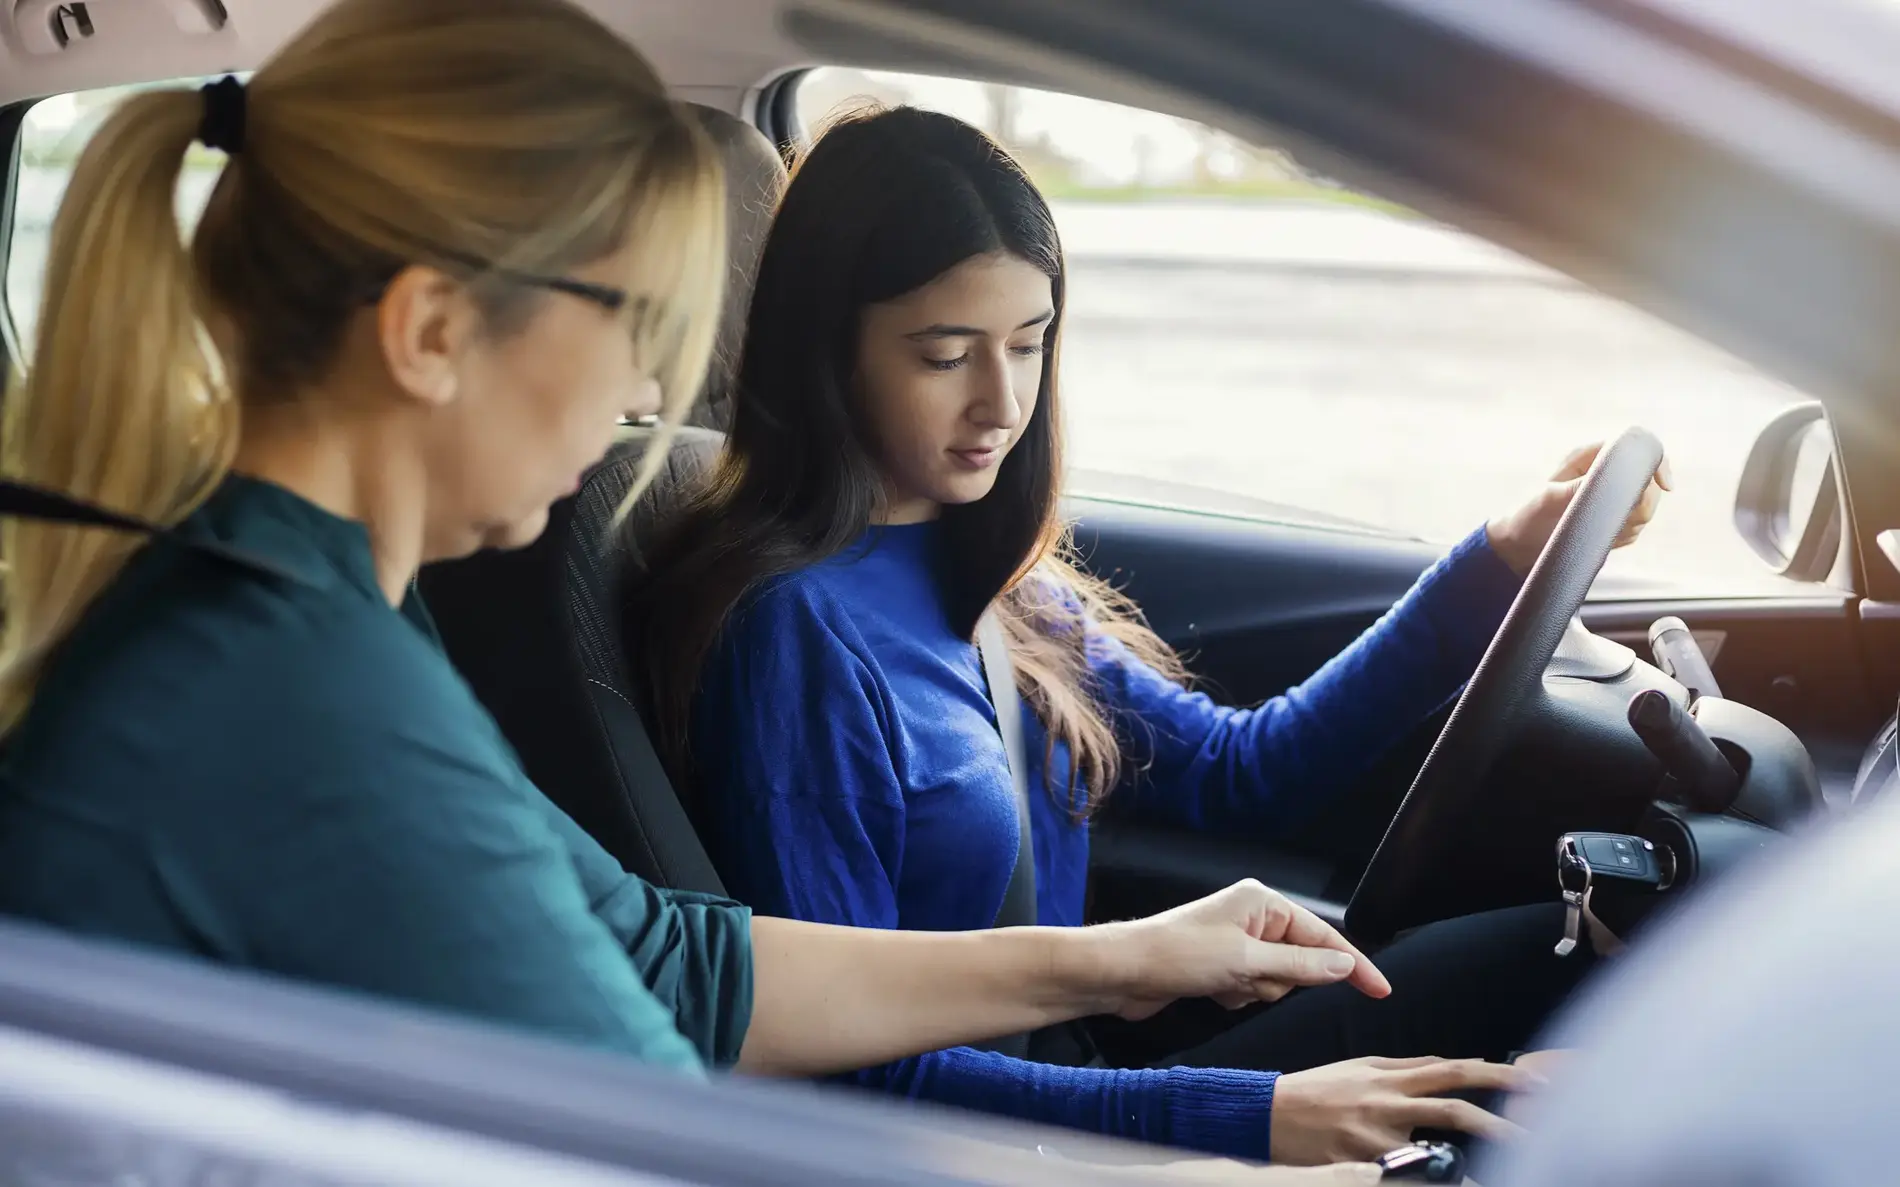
(52,135)
(1246,336)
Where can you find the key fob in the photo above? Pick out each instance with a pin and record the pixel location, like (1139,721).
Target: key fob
(1615,855)
(1423,1162)
(1606,865)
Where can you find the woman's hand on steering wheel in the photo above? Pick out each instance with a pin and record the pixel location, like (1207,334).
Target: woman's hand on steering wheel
(1405,883)
(1519,537)
(1244,944)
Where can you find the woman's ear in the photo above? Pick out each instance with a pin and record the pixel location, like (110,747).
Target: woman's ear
(426,323)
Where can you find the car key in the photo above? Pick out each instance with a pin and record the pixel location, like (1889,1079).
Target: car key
(1423,1162)
(1585,859)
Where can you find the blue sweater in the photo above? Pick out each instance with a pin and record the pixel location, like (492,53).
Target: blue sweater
(852,770)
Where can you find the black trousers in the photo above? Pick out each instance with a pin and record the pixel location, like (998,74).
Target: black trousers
(1478,987)
(1481,986)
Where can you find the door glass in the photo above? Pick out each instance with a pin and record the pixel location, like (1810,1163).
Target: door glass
(54,132)
(1245,335)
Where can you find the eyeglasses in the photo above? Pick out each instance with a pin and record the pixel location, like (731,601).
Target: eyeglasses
(606,296)
(609,298)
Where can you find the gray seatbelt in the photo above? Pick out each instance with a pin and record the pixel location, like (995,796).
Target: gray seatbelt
(1019,898)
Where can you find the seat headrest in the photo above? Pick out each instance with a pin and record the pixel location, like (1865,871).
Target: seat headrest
(537,633)
(693,452)
(755,176)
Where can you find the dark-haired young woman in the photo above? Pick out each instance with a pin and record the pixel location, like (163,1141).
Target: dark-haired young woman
(891,477)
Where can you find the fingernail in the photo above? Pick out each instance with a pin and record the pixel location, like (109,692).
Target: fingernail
(1338,963)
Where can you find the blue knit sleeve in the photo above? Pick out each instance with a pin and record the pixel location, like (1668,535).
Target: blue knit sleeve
(795,766)
(1202,765)
(791,763)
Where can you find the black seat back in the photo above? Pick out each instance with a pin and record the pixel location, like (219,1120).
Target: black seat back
(536,632)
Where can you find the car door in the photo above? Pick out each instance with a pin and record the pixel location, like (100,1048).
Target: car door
(122,1065)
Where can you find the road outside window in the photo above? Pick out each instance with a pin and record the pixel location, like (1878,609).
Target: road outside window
(1242,332)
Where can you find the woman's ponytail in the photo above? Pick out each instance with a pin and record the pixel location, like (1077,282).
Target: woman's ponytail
(123,402)
(510,136)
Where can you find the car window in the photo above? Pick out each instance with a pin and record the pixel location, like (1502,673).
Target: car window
(51,137)
(1246,337)
(1245,333)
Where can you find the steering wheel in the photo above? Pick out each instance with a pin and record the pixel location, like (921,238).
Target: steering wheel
(1450,788)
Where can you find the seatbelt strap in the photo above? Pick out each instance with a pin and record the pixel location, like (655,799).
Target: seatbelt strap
(18,500)
(1019,897)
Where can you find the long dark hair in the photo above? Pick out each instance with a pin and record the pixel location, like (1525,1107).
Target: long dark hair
(885,202)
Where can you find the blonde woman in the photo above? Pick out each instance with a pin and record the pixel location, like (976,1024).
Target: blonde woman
(453,244)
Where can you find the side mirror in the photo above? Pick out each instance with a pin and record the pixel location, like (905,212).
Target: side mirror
(1788,504)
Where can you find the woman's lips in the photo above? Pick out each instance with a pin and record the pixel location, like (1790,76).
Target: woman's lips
(978,459)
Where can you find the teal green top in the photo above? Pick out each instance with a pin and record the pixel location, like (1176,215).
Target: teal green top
(284,773)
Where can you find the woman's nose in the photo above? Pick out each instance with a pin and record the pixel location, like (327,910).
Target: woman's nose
(999,406)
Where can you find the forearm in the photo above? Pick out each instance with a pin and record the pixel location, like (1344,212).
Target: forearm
(1267,767)
(831,999)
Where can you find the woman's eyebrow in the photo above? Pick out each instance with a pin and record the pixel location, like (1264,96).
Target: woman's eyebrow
(941,330)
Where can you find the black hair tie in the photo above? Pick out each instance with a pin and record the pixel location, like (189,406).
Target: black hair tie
(222,127)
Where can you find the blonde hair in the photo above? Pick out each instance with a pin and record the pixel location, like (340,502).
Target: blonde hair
(487,140)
